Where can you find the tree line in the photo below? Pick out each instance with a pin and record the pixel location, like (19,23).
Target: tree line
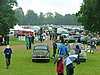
(33,18)
(88,16)
(7,18)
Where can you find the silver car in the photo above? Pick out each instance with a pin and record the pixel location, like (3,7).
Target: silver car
(71,48)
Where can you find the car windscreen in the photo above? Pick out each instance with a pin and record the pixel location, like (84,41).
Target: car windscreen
(40,47)
(41,51)
(73,46)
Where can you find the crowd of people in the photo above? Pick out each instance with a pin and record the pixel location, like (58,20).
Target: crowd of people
(60,48)
(63,54)
(4,40)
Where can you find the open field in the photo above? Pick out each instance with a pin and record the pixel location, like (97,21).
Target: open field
(21,63)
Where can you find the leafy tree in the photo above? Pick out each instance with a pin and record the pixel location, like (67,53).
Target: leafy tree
(89,15)
(41,19)
(58,19)
(31,18)
(7,15)
(48,18)
(19,14)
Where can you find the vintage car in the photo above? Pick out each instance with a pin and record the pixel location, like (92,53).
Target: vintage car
(72,47)
(71,39)
(41,52)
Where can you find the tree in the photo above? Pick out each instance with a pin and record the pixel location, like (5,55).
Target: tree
(7,15)
(48,18)
(89,15)
(41,19)
(19,14)
(58,19)
(31,18)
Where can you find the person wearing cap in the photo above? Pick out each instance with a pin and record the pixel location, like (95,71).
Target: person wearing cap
(7,52)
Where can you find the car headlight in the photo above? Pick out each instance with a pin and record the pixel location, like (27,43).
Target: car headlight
(33,55)
(48,54)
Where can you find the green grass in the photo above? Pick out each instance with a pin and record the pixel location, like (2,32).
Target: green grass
(21,64)
(14,41)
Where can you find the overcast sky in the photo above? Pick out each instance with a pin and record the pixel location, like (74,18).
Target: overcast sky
(60,6)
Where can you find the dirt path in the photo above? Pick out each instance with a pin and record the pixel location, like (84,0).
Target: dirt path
(23,47)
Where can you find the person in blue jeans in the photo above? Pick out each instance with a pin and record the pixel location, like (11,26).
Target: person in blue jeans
(7,52)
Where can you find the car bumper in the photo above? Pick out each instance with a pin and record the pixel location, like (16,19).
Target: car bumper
(40,58)
(82,57)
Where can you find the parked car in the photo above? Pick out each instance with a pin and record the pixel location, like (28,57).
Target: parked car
(71,39)
(71,48)
(85,39)
(41,52)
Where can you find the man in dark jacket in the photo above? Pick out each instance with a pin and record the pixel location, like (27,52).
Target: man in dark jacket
(54,48)
(8,52)
(70,69)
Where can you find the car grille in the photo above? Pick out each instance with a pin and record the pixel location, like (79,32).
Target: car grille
(40,56)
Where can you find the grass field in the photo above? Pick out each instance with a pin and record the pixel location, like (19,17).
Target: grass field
(14,41)
(21,64)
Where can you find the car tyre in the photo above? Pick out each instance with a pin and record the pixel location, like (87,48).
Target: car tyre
(84,60)
(48,60)
(32,60)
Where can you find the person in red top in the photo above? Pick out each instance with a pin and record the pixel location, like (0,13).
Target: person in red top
(60,67)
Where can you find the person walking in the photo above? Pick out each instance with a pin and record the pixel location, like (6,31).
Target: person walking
(30,40)
(92,45)
(27,42)
(60,67)
(33,37)
(78,40)
(54,48)
(70,69)
(78,51)
(7,52)
(63,50)
(58,45)
(50,35)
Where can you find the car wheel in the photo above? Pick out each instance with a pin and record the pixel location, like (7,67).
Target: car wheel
(48,60)
(32,60)
(84,60)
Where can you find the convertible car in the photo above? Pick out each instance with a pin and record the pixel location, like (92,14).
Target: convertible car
(41,52)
